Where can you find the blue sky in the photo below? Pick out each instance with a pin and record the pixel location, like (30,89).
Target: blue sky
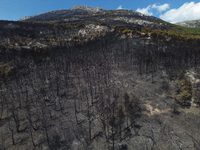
(168,10)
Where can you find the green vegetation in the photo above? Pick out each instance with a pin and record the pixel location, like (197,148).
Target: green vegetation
(194,31)
(127,31)
(184,30)
(184,92)
(79,25)
(172,34)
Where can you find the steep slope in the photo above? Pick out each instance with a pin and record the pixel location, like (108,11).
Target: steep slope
(190,24)
(66,85)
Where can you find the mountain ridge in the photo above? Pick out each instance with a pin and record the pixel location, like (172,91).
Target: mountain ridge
(84,14)
(55,14)
(87,8)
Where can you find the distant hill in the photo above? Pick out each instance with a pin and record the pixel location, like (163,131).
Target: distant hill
(63,14)
(190,23)
(85,14)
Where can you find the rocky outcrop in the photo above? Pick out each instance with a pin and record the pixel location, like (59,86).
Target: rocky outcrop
(87,8)
(92,29)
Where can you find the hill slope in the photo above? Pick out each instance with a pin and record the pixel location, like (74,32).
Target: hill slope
(111,84)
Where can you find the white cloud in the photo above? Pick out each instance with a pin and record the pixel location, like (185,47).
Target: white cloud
(146,11)
(161,8)
(188,11)
(120,7)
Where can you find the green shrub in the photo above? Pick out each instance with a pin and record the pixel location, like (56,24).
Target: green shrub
(184,92)
(127,31)
(79,25)
(11,46)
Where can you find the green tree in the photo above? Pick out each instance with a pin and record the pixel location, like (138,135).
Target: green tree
(184,92)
